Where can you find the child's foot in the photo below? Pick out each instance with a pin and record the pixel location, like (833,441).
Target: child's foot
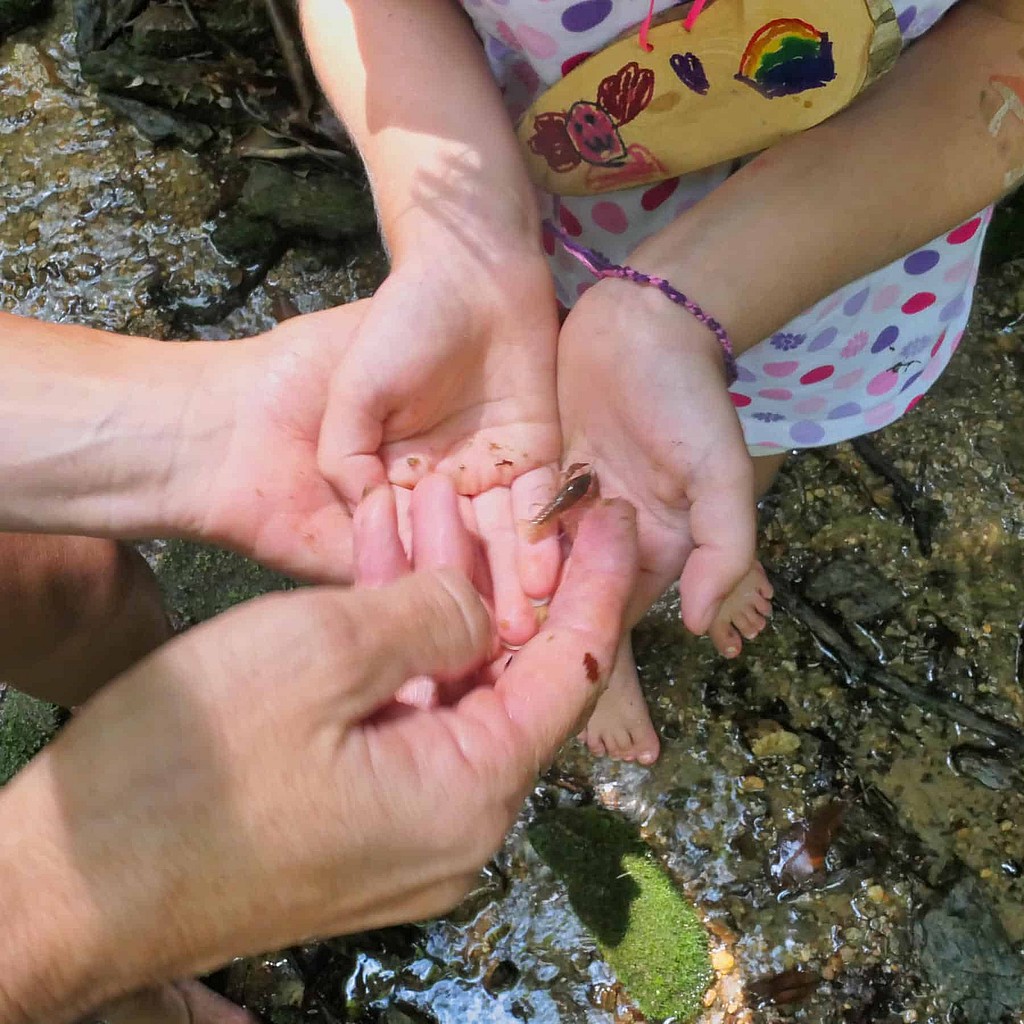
(743,614)
(620,725)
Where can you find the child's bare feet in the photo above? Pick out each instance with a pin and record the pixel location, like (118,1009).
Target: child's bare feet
(744,613)
(620,725)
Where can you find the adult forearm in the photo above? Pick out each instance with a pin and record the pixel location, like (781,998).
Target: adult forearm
(410,81)
(94,429)
(915,155)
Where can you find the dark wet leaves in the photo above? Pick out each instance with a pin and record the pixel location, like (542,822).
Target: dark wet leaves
(785,988)
(857,590)
(800,856)
(993,769)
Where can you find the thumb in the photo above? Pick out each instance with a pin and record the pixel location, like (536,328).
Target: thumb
(425,624)
(723,525)
(351,436)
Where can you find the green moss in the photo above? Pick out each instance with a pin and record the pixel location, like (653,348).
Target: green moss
(25,727)
(199,582)
(646,930)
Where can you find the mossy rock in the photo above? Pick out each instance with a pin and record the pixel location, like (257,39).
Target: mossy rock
(200,582)
(25,727)
(646,930)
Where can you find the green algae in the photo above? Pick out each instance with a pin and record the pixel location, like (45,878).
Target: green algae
(646,930)
(200,582)
(26,725)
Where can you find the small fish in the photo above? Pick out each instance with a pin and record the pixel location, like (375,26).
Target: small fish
(572,492)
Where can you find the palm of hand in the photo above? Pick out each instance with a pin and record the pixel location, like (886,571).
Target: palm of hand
(456,376)
(269,499)
(642,396)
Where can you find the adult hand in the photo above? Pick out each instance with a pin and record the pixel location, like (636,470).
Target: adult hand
(240,790)
(453,370)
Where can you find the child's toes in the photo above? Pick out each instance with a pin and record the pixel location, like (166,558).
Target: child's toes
(749,623)
(726,638)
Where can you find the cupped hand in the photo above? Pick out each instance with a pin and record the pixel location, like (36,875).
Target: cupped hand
(642,395)
(452,369)
(256,796)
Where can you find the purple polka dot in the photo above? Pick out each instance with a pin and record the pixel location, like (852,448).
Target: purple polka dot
(911,380)
(906,18)
(846,409)
(921,262)
(806,432)
(855,303)
(886,338)
(823,340)
(582,17)
(743,374)
(953,308)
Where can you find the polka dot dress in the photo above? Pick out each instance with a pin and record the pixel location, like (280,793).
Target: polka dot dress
(855,362)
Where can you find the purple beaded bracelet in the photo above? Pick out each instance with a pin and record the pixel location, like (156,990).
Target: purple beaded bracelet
(600,266)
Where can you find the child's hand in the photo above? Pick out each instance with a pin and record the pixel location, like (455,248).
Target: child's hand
(642,396)
(453,370)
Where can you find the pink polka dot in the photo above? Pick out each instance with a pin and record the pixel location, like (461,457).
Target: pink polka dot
(575,61)
(547,237)
(610,216)
(776,394)
(958,272)
(932,370)
(508,37)
(847,380)
(654,197)
(830,306)
(914,401)
(780,369)
(883,382)
(880,415)
(922,300)
(956,342)
(938,344)
(810,406)
(885,297)
(965,232)
(528,78)
(740,401)
(538,44)
(819,373)
(569,222)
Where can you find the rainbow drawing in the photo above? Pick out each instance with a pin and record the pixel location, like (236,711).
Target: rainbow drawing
(785,57)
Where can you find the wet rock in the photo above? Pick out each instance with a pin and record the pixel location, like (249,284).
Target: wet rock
(856,590)
(500,975)
(784,988)
(966,954)
(404,1013)
(159,125)
(319,205)
(769,739)
(991,768)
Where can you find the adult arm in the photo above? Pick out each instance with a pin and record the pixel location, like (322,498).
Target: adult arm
(127,437)
(132,848)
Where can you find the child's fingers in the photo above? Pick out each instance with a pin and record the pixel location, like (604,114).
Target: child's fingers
(538,560)
(723,524)
(440,537)
(514,613)
(379,555)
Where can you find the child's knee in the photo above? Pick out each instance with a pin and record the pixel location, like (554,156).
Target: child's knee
(74,611)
